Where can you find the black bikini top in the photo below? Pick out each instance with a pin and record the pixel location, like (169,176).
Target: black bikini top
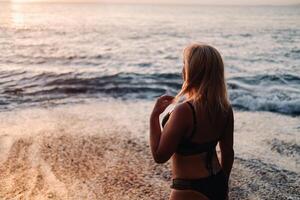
(187,147)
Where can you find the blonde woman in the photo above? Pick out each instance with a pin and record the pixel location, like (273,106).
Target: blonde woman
(194,128)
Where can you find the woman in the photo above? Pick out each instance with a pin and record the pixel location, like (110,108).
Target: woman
(194,128)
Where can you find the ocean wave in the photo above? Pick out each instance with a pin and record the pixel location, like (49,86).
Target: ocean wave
(266,79)
(61,59)
(252,103)
(275,92)
(294,53)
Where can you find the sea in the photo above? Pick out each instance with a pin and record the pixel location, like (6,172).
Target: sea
(66,53)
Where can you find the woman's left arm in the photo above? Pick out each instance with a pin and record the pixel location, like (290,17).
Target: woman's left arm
(164,143)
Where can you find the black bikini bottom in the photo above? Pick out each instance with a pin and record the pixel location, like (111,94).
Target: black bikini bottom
(214,187)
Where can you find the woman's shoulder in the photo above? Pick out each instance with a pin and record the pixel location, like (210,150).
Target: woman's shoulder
(180,115)
(182,109)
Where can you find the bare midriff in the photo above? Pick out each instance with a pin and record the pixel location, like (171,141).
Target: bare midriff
(193,166)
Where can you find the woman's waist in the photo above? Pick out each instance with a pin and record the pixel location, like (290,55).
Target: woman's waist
(193,167)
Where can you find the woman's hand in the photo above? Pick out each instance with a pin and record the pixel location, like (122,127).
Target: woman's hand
(161,104)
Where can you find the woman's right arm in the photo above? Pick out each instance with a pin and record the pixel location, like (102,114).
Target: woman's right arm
(226,145)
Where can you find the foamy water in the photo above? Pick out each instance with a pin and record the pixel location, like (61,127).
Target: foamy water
(63,53)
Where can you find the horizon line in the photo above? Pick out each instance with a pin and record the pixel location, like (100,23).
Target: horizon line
(145,3)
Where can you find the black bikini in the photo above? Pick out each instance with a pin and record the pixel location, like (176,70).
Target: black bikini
(214,186)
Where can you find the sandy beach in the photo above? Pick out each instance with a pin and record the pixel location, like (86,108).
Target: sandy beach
(100,150)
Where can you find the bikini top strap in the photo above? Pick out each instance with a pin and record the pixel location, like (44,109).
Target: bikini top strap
(194,119)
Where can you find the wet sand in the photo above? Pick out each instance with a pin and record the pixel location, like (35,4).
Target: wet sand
(100,150)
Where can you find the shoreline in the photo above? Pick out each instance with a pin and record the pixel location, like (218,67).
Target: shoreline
(95,151)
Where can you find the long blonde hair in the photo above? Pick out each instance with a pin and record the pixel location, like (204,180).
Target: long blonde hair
(204,81)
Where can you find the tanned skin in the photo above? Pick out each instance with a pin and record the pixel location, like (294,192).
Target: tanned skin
(165,142)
